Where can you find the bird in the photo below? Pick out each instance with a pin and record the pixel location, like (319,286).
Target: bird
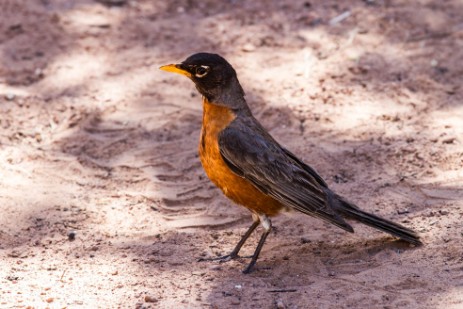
(253,170)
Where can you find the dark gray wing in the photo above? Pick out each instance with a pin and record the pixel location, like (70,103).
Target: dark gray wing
(307,168)
(253,154)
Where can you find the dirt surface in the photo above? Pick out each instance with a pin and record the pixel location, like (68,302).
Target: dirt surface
(103,200)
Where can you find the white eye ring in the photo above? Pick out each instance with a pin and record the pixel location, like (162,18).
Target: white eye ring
(202,71)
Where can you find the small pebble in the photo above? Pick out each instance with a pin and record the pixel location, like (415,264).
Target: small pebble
(280,304)
(198,273)
(305,240)
(150,299)
(10,96)
(215,267)
(38,72)
(248,47)
(449,140)
(72,235)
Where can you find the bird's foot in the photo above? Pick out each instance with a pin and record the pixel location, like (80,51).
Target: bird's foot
(229,257)
(226,258)
(221,259)
(249,268)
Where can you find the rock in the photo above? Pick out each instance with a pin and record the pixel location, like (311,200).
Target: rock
(248,47)
(449,140)
(235,301)
(10,96)
(150,299)
(280,305)
(72,235)
(215,267)
(305,240)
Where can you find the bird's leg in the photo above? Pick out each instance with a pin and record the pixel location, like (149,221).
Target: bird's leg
(267,224)
(234,253)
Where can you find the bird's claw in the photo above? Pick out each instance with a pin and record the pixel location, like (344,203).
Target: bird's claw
(221,259)
(225,258)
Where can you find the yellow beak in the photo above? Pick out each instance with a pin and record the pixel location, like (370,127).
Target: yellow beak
(175,68)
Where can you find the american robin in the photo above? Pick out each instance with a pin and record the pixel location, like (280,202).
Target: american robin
(252,169)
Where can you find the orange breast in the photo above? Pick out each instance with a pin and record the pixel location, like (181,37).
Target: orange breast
(215,119)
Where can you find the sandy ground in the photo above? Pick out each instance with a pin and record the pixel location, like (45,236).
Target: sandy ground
(103,200)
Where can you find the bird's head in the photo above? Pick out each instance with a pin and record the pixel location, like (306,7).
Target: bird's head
(213,76)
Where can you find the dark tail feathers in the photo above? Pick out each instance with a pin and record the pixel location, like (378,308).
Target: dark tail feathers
(351,211)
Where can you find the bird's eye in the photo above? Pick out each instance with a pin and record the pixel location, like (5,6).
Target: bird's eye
(202,71)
